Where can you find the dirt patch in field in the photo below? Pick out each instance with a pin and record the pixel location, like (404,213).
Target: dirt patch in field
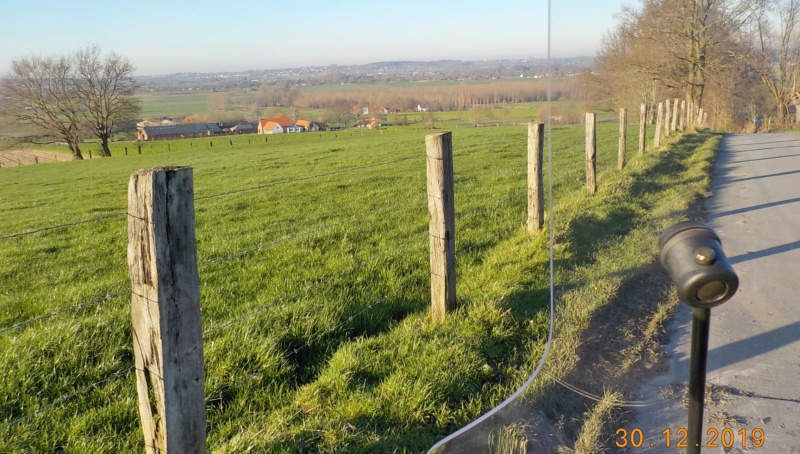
(23,157)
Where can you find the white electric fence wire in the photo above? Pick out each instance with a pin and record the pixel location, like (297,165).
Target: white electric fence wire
(539,366)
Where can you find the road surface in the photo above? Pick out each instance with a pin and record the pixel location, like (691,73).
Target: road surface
(753,379)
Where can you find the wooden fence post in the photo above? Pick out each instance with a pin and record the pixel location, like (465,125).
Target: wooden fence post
(591,152)
(659,125)
(683,115)
(441,207)
(674,126)
(535,180)
(165,309)
(667,117)
(700,117)
(642,128)
(623,137)
(690,115)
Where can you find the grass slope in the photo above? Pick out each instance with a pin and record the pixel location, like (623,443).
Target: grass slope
(313,264)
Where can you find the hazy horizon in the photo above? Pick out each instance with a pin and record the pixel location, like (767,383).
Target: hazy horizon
(207,37)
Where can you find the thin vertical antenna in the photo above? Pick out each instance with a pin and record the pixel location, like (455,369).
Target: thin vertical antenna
(530,379)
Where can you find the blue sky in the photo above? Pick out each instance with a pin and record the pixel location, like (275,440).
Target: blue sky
(166,36)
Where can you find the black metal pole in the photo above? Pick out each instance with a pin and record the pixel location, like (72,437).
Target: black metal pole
(697,377)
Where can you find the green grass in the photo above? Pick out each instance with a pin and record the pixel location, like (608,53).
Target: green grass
(174,105)
(319,339)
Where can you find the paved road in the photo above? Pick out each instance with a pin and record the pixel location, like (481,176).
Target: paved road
(754,351)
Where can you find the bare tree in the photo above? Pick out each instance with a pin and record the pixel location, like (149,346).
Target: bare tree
(41,93)
(106,88)
(669,48)
(340,111)
(773,50)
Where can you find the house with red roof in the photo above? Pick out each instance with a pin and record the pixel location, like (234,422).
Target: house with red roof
(283,124)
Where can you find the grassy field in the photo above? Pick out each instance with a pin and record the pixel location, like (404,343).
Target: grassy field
(313,265)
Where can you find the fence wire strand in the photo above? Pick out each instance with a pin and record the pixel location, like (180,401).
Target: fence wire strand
(350,318)
(60,226)
(310,177)
(304,290)
(322,228)
(66,397)
(82,305)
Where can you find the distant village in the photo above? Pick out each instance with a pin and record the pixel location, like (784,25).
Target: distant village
(166,128)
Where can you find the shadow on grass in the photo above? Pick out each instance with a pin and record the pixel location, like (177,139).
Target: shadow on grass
(555,414)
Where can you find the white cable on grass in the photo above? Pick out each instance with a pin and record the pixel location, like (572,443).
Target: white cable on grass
(536,371)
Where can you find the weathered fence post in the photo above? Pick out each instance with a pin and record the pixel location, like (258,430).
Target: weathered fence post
(591,152)
(441,207)
(535,180)
(700,117)
(165,309)
(667,117)
(690,115)
(623,137)
(683,115)
(659,124)
(674,126)
(642,128)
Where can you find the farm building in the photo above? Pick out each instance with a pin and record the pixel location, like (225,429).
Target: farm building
(369,124)
(275,125)
(280,125)
(309,126)
(374,110)
(423,107)
(243,128)
(178,131)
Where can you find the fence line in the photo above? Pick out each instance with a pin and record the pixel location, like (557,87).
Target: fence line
(310,177)
(305,289)
(315,284)
(519,168)
(212,196)
(349,319)
(227,258)
(66,397)
(53,227)
(308,232)
(82,305)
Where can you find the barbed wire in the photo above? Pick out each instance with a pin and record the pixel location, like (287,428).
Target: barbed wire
(66,397)
(488,174)
(82,305)
(349,319)
(211,196)
(305,289)
(310,177)
(308,232)
(59,226)
(108,296)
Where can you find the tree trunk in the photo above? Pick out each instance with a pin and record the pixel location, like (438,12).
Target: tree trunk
(76,152)
(104,142)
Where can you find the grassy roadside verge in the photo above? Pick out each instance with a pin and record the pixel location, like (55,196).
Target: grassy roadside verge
(611,324)
(612,302)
